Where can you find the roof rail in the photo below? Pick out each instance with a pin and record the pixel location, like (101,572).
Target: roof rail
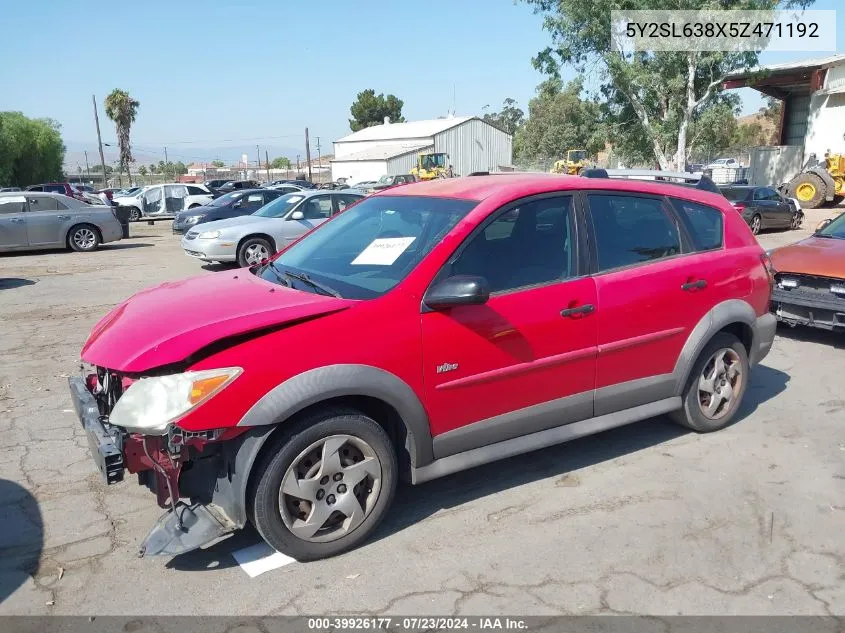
(699,181)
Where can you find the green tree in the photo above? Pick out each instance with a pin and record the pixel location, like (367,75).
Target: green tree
(218,163)
(713,130)
(664,91)
(153,168)
(509,118)
(31,150)
(369,109)
(98,168)
(559,120)
(122,109)
(180,168)
(142,170)
(281,162)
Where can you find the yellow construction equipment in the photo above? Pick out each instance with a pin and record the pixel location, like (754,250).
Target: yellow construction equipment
(431,166)
(576,160)
(820,183)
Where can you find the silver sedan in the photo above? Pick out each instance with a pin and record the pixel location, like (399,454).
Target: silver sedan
(36,220)
(250,239)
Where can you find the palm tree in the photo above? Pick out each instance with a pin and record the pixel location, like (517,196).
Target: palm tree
(121,108)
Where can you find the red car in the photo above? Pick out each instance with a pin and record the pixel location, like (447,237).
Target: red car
(421,332)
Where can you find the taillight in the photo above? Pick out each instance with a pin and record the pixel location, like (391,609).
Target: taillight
(739,206)
(770,269)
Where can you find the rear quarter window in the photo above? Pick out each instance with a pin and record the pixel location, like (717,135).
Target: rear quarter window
(705,224)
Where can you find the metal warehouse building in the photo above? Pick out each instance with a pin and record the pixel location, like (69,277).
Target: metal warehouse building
(392,148)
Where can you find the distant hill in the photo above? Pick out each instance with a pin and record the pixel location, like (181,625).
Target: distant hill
(768,126)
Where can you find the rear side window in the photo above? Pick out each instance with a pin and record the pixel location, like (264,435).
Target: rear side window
(55,188)
(704,223)
(196,191)
(631,230)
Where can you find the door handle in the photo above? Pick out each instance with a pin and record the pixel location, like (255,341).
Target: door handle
(17,220)
(63,217)
(587,308)
(694,285)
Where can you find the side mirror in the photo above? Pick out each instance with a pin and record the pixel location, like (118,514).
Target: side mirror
(297,215)
(460,290)
(822,224)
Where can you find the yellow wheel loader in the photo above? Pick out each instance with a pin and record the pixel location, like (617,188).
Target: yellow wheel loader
(576,160)
(431,166)
(820,182)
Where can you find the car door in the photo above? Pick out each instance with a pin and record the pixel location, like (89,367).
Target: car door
(525,360)
(45,219)
(13,222)
(174,198)
(153,201)
(649,297)
(766,206)
(783,209)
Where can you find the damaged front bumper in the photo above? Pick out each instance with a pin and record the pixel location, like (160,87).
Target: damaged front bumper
(213,505)
(799,307)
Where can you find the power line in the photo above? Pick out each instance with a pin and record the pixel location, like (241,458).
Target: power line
(234,140)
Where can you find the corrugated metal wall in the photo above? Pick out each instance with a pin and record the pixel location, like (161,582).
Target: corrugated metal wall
(795,123)
(402,164)
(475,146)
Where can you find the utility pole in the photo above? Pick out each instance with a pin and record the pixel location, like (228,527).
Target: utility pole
(87,171)
(297,163)
(99,139)
(267,164)
(258,162)
(166,162)
(319,157)
(308,155)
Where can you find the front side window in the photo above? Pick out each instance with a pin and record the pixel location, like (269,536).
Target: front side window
(631,230)
(704,223)
(525,246)
(369,248)
(12,205)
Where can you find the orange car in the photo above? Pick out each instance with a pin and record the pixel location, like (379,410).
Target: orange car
(810,279)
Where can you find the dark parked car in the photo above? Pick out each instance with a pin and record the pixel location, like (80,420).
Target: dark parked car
(234,185)
(215,184)
(232,205)
(386,182)
(64,188)
(762,207)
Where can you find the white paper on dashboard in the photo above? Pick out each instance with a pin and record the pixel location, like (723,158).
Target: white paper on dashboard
(383,251)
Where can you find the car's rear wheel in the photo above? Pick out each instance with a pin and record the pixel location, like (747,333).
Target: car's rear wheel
(254,251)
(134,214)
(325,485)
(716,385)
(796,221)
(83,238)
(756,224)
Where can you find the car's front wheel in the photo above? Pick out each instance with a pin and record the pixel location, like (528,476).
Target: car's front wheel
(254,251)
(325,485)
(716,386)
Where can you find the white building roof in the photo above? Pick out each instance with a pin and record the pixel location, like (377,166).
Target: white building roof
(821,62)
(382,152)
(412,129)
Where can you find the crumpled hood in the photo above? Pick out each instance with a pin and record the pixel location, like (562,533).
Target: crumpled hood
(167,323)
(820,256)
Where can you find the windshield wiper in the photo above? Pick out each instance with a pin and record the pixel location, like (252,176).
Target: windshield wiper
(314,284)
(277,274)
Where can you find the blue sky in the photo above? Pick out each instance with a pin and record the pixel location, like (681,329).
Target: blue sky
(259,71)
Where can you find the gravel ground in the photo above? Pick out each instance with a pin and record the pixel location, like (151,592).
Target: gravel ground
(644,519)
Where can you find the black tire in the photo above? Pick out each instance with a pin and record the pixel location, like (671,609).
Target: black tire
(796,221)
(269,473)
(134,214)
(252,242)
(691,415)
(83,238)
(818,185)
(756,224)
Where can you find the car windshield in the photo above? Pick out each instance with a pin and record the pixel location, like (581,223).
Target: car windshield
(734,194)
(280,206)
(225,201)
(369,248)
(835,229)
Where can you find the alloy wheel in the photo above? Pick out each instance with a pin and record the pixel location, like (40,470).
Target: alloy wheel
(720,381)
(755,224)
(85,239)
(330,488)
(256,253)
